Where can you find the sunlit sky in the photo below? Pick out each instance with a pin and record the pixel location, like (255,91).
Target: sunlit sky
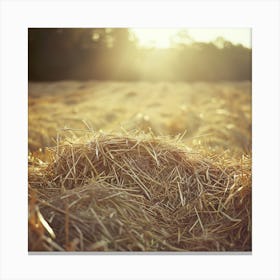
(160,38)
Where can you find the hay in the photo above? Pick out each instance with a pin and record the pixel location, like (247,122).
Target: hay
(140,193)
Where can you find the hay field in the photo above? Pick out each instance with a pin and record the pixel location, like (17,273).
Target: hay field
(139,166)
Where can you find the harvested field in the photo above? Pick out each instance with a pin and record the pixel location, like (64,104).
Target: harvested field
(139,166)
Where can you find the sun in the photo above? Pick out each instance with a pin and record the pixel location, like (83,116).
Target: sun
(154,38)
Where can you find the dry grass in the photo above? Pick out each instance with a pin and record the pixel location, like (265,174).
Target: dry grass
(109,192)
(213,116)
(147,191)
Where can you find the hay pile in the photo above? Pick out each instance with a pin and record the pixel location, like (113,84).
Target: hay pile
(140,193)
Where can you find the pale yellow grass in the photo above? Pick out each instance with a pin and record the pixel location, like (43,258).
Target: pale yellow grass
(119,166)
(215,116)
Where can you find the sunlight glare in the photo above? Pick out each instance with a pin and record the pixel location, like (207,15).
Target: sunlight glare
(162,38)
(157,38)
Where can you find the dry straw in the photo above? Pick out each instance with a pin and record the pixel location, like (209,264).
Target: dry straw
(137,193)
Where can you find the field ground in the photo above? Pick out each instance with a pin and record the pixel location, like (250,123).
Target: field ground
(212,116)
(166,167)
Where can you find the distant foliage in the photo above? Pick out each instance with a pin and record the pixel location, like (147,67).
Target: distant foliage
(113,54)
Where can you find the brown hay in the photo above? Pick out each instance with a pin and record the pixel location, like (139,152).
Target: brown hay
(141,193)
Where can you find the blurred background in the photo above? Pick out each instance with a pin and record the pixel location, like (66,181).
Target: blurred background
(193,82)
(139,54)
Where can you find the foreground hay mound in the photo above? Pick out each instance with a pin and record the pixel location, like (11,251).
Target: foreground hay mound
(142,193)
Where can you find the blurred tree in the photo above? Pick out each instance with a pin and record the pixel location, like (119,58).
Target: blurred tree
(181,39)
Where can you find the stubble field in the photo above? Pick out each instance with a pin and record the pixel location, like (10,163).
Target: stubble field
(139,166)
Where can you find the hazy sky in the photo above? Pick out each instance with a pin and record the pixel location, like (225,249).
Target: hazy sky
(161,37)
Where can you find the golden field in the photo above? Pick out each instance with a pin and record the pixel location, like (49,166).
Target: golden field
(139,166)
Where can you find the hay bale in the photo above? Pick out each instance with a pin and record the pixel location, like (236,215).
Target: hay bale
(141,193)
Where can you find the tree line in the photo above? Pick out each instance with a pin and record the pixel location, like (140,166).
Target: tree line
(113,54)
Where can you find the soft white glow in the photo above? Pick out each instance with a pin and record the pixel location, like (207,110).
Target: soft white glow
(234,35)
(150,37)
(161,37)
